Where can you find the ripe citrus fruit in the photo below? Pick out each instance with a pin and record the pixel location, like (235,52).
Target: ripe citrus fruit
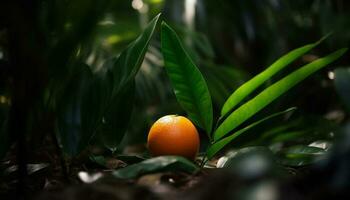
(173,135)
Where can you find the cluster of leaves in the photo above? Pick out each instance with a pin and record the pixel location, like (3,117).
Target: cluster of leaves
(107,101)
(193,95)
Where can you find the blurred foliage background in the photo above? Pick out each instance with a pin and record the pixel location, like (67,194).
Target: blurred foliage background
(230,41)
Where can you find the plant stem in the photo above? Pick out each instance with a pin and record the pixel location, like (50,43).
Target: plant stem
(203,162)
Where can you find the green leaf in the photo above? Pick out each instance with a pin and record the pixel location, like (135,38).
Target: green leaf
(111,93)
(342,85)
(123,71)
(130,60)
(271,93)
(216,147)
(157,164)
(116,120)
(300,155)
(189,85)
(251,85)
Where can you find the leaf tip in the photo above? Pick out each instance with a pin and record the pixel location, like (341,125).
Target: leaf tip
(325,37)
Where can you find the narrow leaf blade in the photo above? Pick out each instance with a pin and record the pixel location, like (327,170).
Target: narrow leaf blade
(248,87)
(216,147)
(189,85)
(130,60)
(271,93)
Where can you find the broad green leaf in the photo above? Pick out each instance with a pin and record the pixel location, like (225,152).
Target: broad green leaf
(271,93)
(157,164)
(342,85)
(300,155)
(248,87)
(216,147)
(189,85)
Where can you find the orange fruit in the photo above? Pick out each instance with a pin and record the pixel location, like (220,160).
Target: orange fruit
(173,135)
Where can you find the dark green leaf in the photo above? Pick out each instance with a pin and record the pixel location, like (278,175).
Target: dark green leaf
(157,164)
(130,60)
(116,119)
(216,147)
(108,103)
(189,85)
(300,155)
(271,93)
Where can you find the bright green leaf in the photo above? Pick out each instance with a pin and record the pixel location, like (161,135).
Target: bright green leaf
(271,93)
(248,87)
(189,85)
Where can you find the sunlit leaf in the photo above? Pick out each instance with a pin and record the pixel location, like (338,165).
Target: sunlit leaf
(251,85)
(189,85)
(271,93)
